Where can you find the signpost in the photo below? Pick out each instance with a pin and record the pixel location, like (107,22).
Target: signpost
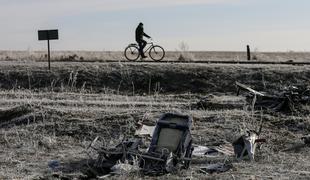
(48,35)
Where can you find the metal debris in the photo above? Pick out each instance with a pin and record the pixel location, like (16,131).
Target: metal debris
(289,100)
(165,152)
(203,151)
(54,165)
(164,155)
(145,130)
(124,168)
(306,139)
(245,146)
(216,168)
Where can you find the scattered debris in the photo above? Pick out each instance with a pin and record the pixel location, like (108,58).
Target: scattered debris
(203,151)
(54,165)
(289,100)
(145,130)
(216,168)
(226,149)
(164,154)
(171,149)
(244,87)
(306,139)
(124,151)
(124,168)
(298,145)
(245,146)
(104,177)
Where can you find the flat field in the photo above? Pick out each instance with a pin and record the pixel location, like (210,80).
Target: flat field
(185,55)
(53,116)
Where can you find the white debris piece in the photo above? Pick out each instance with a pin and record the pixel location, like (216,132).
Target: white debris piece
(124,168)
(145,130)
(203,151)
(200,151)
(245,146)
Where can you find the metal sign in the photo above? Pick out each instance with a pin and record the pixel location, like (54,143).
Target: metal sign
(48,34)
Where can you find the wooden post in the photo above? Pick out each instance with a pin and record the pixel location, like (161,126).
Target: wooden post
(248,52)
(49,55)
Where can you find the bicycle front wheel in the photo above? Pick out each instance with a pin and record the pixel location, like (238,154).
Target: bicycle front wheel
(157,53)
(132,53)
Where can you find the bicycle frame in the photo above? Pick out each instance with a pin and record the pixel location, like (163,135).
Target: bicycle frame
(151,44)
(147,49)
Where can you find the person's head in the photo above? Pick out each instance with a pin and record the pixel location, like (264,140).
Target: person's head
(140,24)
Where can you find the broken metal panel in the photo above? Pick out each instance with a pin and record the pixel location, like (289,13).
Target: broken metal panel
(245,146)
(171,142)
(171,125)
(165,154)
(289,100)
(145,130)
(244,87)
(204,151)
(201,151)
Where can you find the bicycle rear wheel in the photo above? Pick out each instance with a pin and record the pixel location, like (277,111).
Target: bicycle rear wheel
(157,53)
(132,53)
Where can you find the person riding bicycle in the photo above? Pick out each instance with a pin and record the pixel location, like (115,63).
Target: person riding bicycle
(139,38)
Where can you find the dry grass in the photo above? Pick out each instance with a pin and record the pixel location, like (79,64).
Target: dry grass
(183,51)
(64,118)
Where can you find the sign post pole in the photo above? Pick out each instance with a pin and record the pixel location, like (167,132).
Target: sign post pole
(48,35)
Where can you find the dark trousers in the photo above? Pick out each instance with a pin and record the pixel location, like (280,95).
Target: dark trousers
(142,43)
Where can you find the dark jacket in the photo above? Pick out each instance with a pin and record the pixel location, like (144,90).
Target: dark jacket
(140,33)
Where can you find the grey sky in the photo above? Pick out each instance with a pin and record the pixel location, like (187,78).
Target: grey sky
(268,25)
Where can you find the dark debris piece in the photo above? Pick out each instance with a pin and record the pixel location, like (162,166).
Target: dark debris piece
(216,168)
(287,101)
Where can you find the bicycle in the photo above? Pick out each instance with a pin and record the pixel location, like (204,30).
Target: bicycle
(156,52)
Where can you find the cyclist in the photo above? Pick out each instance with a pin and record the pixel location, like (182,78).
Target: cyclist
(139,38)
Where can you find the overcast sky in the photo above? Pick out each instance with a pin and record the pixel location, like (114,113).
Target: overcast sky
(224,25)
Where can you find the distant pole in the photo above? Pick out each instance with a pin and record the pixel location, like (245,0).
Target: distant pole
(49,55)
(248,52)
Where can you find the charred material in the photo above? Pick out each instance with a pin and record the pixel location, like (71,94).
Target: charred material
(108,157)
(170,148)
(289,100)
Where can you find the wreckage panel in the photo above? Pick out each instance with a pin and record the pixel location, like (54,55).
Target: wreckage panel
(169,139)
